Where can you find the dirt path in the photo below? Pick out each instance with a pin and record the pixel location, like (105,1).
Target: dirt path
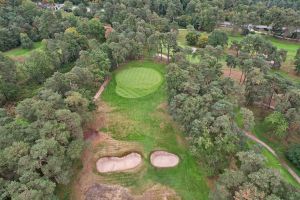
(101,89)
(283,163)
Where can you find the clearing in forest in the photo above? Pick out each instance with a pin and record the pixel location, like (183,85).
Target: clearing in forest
(143,125)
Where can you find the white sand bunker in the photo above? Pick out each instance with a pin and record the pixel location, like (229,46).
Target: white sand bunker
(163,159)
(117,164)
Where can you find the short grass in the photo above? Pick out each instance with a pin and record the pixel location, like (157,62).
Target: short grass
(19,51)
(148,123)
(137,82)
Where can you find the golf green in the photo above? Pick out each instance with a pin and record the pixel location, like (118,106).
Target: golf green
(137,82)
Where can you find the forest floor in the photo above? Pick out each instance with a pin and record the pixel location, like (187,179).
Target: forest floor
(140,125)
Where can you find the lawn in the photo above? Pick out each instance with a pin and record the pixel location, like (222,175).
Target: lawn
(291,47)
(146,121)
(19,51)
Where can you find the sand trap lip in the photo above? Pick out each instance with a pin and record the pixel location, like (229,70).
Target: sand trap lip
(163,159)
(118,164)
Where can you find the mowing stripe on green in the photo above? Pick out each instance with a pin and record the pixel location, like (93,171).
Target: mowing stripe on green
(137,82)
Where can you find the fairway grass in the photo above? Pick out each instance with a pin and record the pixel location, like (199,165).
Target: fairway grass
(137,82)
(146,121)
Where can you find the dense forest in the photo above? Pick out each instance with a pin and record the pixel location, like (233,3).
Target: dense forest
(41,130)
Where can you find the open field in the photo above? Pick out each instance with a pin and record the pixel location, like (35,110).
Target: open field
(143,125)
(19,53)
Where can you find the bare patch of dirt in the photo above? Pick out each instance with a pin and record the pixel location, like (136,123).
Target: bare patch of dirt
(211,182)
(235,74)
(114,192)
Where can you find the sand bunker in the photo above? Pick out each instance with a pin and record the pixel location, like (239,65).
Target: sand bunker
(117,164)
(163,159)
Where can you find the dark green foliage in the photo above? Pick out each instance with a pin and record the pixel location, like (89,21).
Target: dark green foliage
(217,38)
(293,154)
(297,61)
(254,180)
(200,100)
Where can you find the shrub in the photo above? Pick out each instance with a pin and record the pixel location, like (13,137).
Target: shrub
(192,38)
(202,41)
(26,42)
(293,154)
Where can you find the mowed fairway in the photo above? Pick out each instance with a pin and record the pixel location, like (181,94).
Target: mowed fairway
(145,122)
(137,82)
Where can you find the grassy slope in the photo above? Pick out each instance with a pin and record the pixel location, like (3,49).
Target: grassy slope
(153,129)
(19,51)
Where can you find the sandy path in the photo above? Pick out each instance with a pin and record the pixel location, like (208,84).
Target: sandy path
(283,163)
(117,164)
(101,89)
(163,159)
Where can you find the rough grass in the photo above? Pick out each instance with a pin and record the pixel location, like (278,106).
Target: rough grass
(137,82)
(19,51)
(152,128)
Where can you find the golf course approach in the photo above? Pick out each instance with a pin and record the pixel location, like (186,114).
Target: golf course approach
(137,82)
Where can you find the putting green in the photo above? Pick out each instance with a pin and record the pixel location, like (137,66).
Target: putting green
(137,82)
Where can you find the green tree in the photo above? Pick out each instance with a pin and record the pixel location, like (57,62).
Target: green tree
(217,38)
(26,42)
(293,154)
(297,61)
(39,66)
(231,62)
(279,123)
(192,38)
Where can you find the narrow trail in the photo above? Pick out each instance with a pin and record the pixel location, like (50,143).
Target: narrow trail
(282,162)
(101,89)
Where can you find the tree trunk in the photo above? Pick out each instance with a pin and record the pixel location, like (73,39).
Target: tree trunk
(161,49)
(168,54)
(241,77)
(270,100)
(229,71)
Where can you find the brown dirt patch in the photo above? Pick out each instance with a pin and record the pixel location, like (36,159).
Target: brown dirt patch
(114,192)
(163,159)
(235,74)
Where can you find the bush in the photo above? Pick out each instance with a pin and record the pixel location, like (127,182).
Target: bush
(26,42)
(202,41)
(192,38)
(293,155)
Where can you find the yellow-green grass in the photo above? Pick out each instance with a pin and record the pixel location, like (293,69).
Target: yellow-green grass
(137,82)
(19,51)
(147,123)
